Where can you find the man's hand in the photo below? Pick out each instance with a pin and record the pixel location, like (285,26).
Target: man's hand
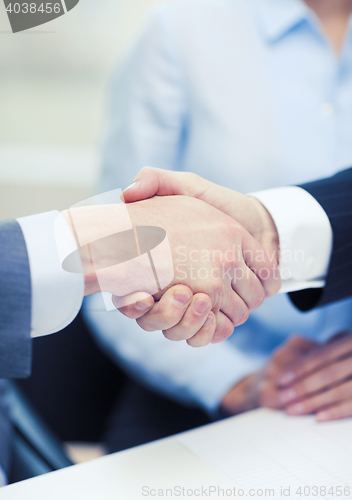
(246,210)
(212,255)
(178,305)
(177,308)
(321,382)
(261,389)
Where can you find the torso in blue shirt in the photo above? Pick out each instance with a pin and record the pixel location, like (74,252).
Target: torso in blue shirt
(248,94)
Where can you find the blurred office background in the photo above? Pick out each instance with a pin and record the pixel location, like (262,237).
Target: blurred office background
(53,82)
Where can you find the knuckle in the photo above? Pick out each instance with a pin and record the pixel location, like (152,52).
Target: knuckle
(198,341)
(310,386)
(323,355)
(191,176)
(218,289)
(332,373)
(217,295)
(278,353)
(242,316)
(341,392)
(272,284)
(260,297)
(145,325)
(190,325)
(192,343)
(304,387)
(163,320)
(273,371)
(222,332)
(172,335)
(147,170)
(295,339)
(190,179)
(264,394)
(167,318)
(127,311)
(205,298)
(268,396)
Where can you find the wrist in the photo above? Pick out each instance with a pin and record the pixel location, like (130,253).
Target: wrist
(266,233)
(91,284)
(107,255)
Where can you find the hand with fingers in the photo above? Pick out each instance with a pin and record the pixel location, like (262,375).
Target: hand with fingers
(246,210)
(321,382)
(179,313)
(116,263)
(207,275)
(261,388)
(167,314)
(221,272)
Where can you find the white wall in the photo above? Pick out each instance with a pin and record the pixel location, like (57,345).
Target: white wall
(52,92)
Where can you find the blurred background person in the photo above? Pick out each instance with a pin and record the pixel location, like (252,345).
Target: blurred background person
(249,94)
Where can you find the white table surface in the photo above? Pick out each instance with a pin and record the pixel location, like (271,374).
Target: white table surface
(162,464)
(256,450)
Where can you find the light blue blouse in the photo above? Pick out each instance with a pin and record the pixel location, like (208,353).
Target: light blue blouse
(250,95)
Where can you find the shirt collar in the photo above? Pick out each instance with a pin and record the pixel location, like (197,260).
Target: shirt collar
(278,17)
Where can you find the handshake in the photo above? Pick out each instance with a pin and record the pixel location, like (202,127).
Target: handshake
(224,255)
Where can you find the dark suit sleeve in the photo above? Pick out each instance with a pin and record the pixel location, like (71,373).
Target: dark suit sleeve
(335,196)
(5,428)
(15,303)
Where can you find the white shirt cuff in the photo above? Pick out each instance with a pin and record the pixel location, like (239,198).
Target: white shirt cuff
(305,236)
(56,294)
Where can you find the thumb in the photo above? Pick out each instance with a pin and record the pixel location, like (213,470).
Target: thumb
(145,185)
(151,182)
(157,182)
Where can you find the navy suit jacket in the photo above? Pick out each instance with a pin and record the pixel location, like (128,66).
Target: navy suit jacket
(335,196)
(15,302)
(15,321)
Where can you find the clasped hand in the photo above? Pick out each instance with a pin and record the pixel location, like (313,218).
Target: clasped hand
(225,253)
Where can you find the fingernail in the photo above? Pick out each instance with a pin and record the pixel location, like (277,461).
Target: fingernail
(130,186)
(181,299)
(296,409)
(200,306)
(142,305)
(288,395)
(287,378)
(208,320)
(323,416)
